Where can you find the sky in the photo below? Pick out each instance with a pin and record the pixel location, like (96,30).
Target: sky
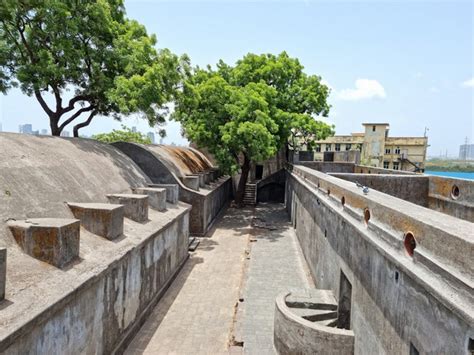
(408,63)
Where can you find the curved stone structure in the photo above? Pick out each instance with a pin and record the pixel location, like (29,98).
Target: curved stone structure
(191,171)
(308,326)
(93,301)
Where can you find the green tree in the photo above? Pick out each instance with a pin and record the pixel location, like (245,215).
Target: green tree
(123,135)
(88,58)
(247,112)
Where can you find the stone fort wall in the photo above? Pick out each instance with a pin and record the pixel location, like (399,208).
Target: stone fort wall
(409,268)
(92,303)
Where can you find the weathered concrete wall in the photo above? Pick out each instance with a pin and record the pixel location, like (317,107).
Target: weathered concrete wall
(330,167)
(364,169)
(412,188)
(98,311)
(424,301)
(96,301)
(207,202)
(442,196)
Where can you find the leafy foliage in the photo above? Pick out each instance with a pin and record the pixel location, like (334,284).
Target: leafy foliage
(91,54)
(249,111)
(123,135)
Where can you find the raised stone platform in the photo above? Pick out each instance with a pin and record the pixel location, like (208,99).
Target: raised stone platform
(52,240)
(156,196)
(135,206)
(103,219)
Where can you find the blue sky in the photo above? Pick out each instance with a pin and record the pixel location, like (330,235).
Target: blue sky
(409,63)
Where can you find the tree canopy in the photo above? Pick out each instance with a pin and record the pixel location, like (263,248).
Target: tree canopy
(247,112)
(88,57)
(122,135)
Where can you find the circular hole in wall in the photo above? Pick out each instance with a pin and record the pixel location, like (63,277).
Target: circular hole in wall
(455,192)
(410,243)
(366,216)
(343,200)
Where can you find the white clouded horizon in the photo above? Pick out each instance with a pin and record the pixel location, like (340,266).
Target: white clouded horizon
(468,83)
(364,89)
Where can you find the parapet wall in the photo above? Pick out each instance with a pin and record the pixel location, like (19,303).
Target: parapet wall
(409,269)
(207,197)
(454,197)
(94,302)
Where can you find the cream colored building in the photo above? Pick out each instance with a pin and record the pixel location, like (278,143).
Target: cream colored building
(378,149)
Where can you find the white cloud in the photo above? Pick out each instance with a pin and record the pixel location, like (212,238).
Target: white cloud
(418,75)
(434,89)
(324,82)
(468,83)
(364,89)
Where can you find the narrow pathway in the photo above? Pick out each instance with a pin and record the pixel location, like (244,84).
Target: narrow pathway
(198,313)
(276,265)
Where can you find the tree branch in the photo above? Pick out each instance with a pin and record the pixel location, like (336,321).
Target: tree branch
(43,103)
(83,124)
(76,115)
(73,101)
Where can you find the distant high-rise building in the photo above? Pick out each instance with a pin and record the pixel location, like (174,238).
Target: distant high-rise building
(151,136)
(25,128)
(134,129)
(466,151)
(65,134)
(44,132)
(162,140)
(0,126)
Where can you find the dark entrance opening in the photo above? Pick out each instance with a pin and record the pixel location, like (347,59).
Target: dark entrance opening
(258,172)
(272,192)
(344,306)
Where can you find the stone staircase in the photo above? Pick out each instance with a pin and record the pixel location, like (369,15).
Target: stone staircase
(250,195)
(319,306)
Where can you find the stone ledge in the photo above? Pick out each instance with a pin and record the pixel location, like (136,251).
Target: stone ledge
(135,206)
(103,219)
(52,240)
(156,196)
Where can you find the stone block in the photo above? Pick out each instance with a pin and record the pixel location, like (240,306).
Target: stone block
(156,196)
(135,206)
(172,191)
(103,219)
(52,240)
(3,272)
(191,181)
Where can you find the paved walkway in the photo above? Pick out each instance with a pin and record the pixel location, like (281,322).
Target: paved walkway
(276,265)
(199,313)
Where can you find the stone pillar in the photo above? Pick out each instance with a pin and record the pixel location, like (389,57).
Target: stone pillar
(103,219)
(156,196)
(135,206)
(172,191)
(52,240)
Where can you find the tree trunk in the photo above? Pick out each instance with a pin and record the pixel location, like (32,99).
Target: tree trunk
(83,124)
(239,195)
(53,124)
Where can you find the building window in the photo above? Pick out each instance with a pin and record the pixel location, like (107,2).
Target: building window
(397,150)
(386,164)
(338,147)
(387,150)
(395,165)
(348,147)
(318,148)
(328,147)
(373,128)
